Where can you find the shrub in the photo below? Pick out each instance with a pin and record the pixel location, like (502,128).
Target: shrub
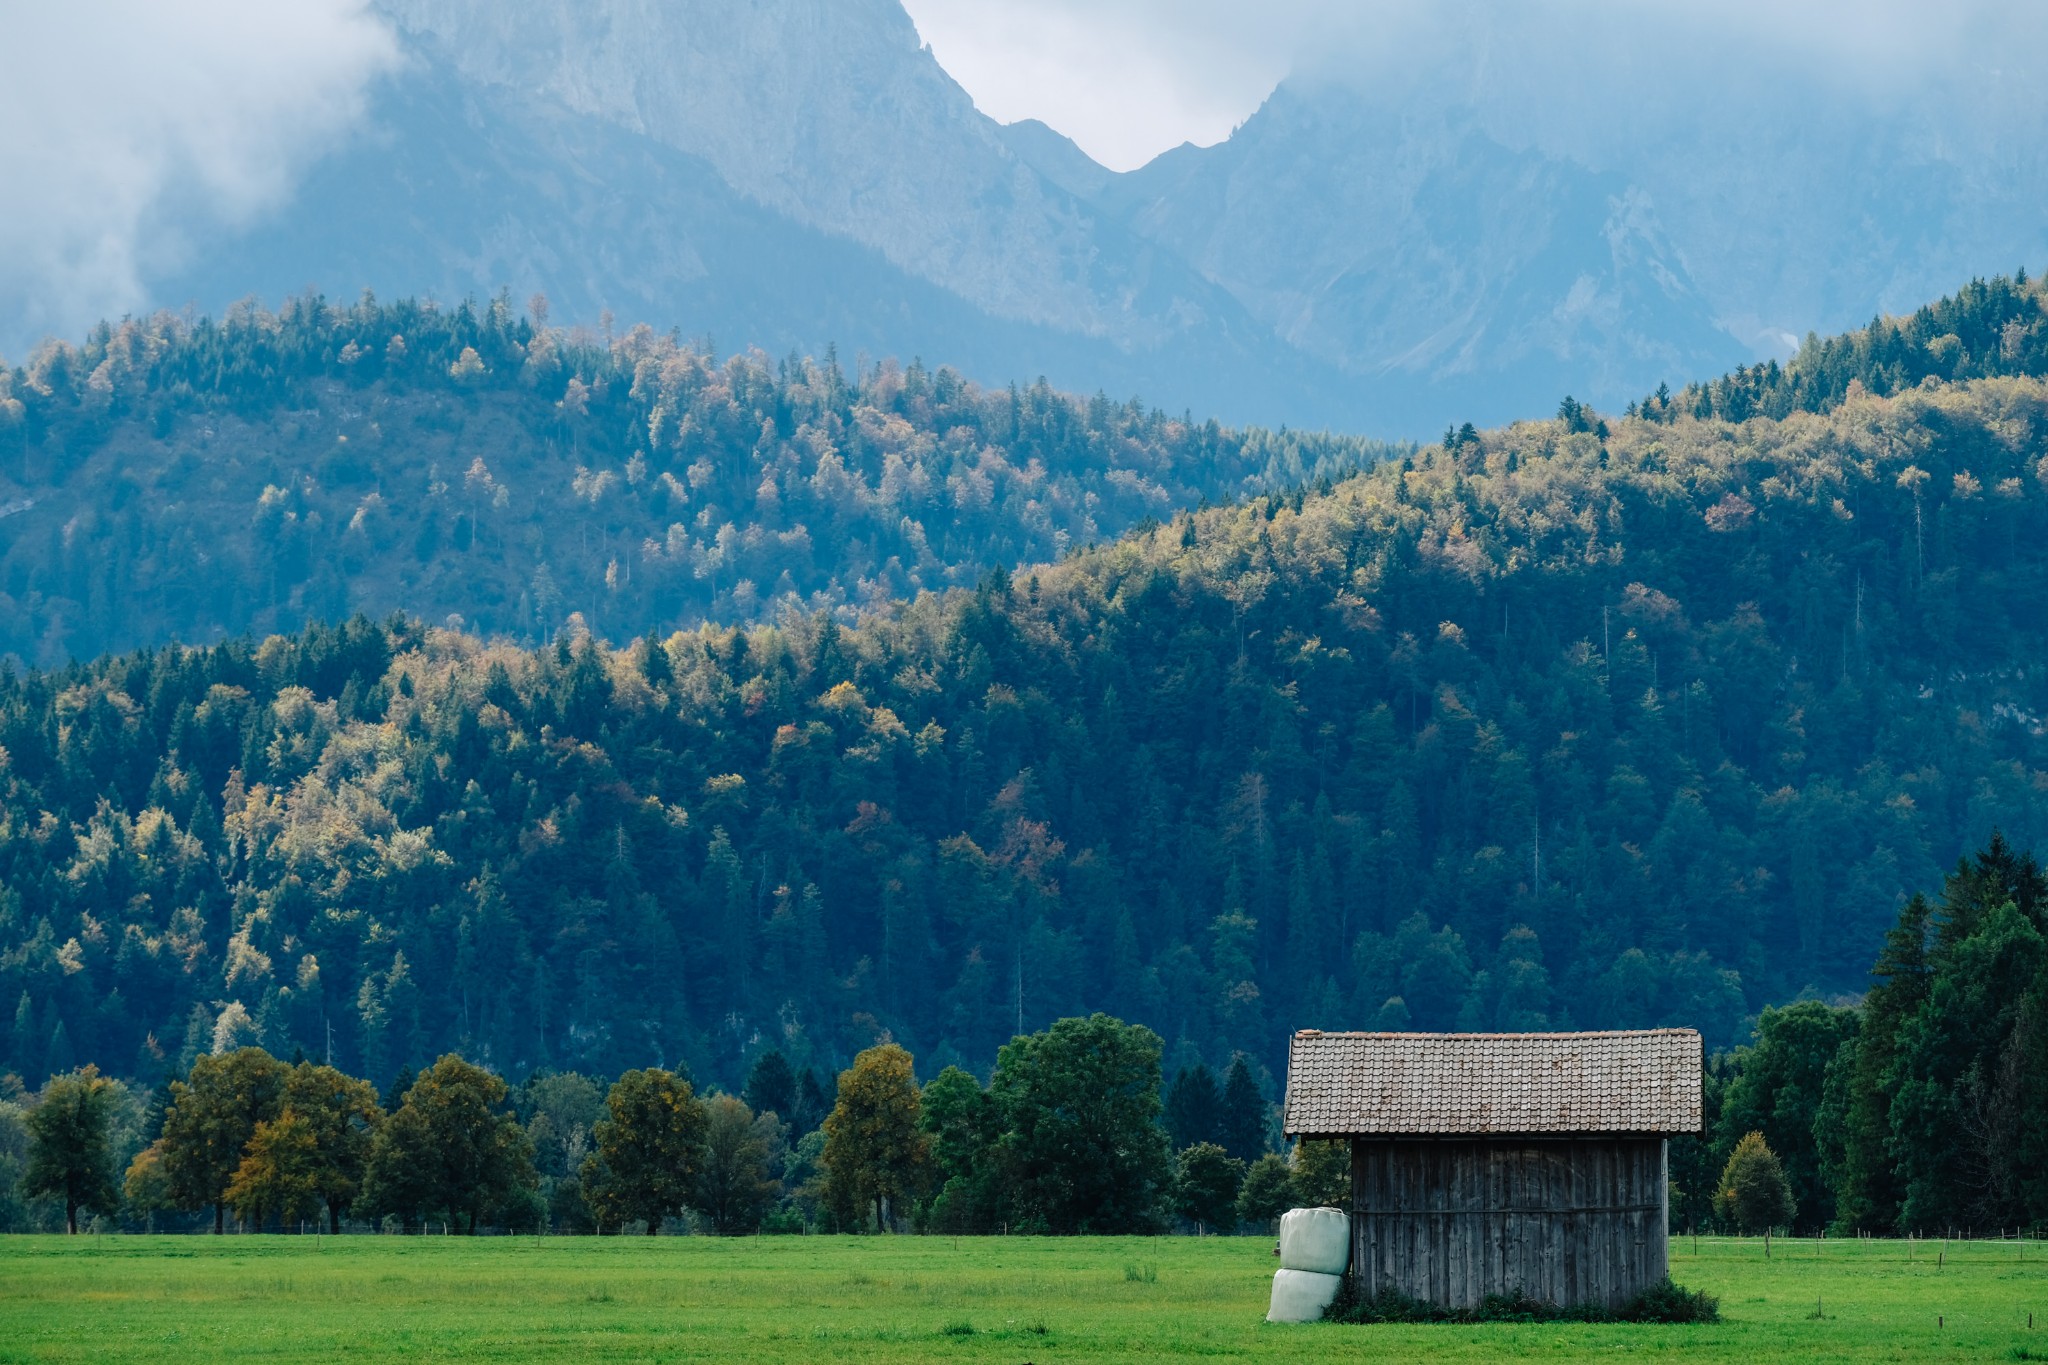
(1663,1302)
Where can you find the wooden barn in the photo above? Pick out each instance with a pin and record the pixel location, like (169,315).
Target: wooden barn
(1485,1163)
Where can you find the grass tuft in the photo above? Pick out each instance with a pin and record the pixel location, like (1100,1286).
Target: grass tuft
(1661,1303)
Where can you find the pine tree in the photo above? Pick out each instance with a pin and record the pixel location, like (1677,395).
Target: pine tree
(1242,1122)
(1194,1107)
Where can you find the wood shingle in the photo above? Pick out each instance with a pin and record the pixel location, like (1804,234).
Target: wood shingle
(1644,1082)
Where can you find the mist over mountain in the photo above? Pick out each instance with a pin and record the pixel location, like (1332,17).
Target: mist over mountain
(1455,213)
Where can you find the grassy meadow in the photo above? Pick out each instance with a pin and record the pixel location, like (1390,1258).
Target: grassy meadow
(373,1299)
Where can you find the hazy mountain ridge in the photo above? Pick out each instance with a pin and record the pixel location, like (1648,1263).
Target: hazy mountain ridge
(459,189)
(1444,255)
(827,110)
(1381,255)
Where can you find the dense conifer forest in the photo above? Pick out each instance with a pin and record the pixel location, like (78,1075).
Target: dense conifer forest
(1575,722)
(1987,329)
(192,480)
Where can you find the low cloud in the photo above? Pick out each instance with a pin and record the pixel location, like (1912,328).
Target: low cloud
(126,118)
(1129,78)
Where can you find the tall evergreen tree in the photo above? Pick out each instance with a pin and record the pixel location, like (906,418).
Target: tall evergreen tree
(1194,1107)
(772,1086)
(1243,1122)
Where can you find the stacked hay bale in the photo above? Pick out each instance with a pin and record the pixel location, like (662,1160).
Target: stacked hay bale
(1315,1251)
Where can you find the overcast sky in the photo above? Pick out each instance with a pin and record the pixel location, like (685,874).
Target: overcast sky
(1128,79)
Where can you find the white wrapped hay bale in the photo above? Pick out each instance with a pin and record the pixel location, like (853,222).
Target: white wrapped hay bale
(1301,1295)
(1316,1239)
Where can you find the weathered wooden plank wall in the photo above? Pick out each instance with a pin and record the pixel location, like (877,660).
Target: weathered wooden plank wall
(1568,1221)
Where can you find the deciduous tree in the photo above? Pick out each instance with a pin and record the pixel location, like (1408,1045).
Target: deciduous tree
(1777,1092)
(964,1125)
(1205,1187)
(279,1175)
(650,1150)
(1322,1173)
(1267,1192)
(146,1188)
(70,1154)
(737,1186)
(1084,1148)
(875,1153)
(214,1112)
(450,1148)
(342,1115)
(1754,1194)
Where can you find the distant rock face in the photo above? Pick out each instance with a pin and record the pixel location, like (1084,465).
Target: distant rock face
(1421,247)
(794,173)
(829,111)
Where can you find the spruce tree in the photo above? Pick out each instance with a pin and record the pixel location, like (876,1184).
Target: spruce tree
(1193,1107)
(771,1087)
(1243,1122)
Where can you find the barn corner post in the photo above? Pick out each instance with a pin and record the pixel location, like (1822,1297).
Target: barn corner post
(1502,1163)
(1662,1269)
(1354,1274)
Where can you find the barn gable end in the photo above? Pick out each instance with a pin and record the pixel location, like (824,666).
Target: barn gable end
(1494,1163)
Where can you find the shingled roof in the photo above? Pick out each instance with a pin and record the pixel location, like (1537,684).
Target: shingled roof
(1424,1084)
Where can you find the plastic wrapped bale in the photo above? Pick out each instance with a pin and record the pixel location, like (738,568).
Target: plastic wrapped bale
(1316,1239)
(1301,1295)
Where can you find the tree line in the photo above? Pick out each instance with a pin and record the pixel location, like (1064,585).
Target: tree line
(1922,1109)
(1068,1135)
(188,479)
(1988,329)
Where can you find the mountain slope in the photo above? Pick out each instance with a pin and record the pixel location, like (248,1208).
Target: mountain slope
(1483,230)
(185,481)
(1545,728)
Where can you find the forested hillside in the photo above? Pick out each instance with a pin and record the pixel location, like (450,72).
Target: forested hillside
(172,479)
(1648,722)
(1986,329)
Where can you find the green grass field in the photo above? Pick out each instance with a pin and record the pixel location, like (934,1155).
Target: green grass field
(373,1299)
